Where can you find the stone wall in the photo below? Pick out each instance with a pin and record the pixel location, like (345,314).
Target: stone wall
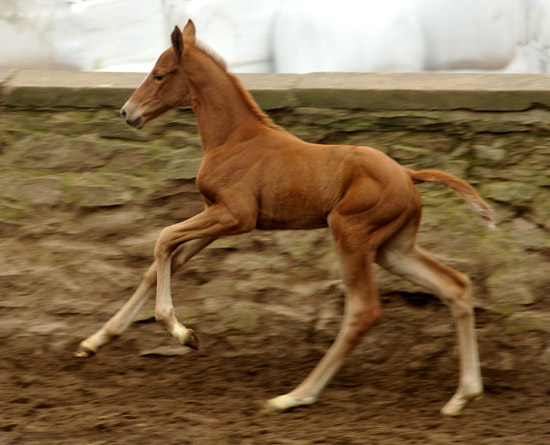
(83,196)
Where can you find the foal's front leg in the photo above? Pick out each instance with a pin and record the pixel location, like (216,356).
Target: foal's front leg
(119,322)
(215,221)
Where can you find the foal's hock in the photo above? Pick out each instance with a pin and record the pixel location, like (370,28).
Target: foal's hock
(255,175)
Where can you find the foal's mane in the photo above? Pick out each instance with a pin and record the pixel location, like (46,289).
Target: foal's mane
(248,100)
(211,53)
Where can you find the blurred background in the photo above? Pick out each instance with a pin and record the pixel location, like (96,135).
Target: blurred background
(292,36)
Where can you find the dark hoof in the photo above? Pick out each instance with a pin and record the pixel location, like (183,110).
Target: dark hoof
(192,340)
(84,352)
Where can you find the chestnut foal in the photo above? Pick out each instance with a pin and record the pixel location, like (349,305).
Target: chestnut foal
(255,175)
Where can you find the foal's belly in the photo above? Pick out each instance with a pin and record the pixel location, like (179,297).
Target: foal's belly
(292,213)
(269,223)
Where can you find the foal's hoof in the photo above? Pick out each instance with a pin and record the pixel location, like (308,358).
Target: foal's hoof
(285,403)
(458,402)
(191,339)
(84,352)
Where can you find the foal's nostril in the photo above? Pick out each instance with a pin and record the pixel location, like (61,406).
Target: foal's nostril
(123,113)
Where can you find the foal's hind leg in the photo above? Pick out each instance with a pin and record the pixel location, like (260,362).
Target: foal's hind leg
(401,256)
(362,312)
(119,322)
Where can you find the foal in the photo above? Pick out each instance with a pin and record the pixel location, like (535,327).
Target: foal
(255,175)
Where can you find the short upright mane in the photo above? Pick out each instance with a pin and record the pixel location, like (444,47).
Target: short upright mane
(248,100)
(211,53)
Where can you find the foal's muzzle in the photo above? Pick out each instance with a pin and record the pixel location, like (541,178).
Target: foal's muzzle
(131,115)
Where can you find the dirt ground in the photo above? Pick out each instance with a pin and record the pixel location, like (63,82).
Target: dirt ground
(389,391)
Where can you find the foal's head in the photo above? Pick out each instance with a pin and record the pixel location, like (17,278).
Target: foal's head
(165,87)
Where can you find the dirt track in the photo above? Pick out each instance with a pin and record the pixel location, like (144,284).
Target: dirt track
(389,391)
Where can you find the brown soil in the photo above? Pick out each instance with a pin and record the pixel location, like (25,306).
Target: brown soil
(389,391)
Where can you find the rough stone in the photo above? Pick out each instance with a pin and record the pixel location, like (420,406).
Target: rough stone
(526,321)
(517,194)
(505,291)
(512,285)
(44,190)
(142,245)
(69,167)
(129,159)
(58,153)
(182,169)
(541,209)
(40,190)
(242,316)
(489,154)
(100,190)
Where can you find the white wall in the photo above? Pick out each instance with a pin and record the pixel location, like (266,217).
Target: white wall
(282,35)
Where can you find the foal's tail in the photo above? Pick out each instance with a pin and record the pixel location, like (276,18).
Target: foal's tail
(459,186)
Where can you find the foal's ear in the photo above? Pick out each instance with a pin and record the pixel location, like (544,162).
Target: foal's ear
(177,41)
(189,30)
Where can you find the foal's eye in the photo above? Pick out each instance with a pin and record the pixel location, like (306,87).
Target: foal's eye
(158,77)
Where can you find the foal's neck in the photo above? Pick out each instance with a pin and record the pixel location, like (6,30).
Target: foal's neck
(226,113)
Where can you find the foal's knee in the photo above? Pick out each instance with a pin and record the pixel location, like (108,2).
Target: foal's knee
(164,247)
